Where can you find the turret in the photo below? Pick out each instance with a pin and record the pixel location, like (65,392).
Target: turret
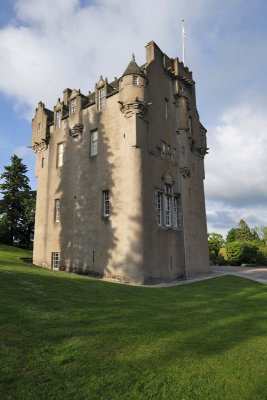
(40,131)
(133,90)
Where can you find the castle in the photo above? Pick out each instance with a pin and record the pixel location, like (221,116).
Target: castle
(120,177)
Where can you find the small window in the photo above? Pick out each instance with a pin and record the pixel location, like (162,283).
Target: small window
(101,99)
(73,106)
(135,80)
(39,127)
(159,208)
(57,210)
(190,125)
(58,119)
(55,260)
(183,150)
(106,203)
(59,154)
(42,162)
(94,142)
(163,147)
(168,189)
(175,212)
(166,108)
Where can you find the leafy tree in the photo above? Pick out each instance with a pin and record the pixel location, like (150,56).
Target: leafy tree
(261,231)
(231,235)
(242,252)
(215,241)
(16,193)
(243,232)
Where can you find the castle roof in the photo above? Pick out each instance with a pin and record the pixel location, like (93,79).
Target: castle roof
(133,68)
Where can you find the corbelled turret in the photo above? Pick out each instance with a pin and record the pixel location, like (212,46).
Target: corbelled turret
(132,90)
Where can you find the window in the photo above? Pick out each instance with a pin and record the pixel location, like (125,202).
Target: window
(159,208)
(106,203)
(135,80)
(59,154)
(42,162)
(73,106)
(55,260)
(175,212)
(167,205)
(58,119)
(39,127)
(94,142)
(163,147)
(167,210)
(101,99)
(57,210)
(166,108)
(190,125)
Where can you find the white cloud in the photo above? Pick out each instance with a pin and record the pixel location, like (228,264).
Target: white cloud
(237,164)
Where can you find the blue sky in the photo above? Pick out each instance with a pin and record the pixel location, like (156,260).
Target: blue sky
(48,46)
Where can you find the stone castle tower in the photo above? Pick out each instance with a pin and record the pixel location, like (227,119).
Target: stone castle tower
(120,177)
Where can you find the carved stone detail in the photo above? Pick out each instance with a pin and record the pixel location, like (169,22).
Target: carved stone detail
(185,171)
(76,130)
(138,107)
(38,147)
(198,151)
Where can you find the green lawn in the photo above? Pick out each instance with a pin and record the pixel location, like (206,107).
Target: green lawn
(69,337)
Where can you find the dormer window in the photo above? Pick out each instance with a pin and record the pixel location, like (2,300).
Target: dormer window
(58,119)
(39,127)
(101,99)
(135,80)
(73,106)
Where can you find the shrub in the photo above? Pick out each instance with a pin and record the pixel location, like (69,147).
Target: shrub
(242,252)
(262,256)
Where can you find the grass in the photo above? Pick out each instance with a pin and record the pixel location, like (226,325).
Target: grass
(68,337)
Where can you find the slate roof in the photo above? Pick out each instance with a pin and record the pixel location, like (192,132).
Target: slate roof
(133,69)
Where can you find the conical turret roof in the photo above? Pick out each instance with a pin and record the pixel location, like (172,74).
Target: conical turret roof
(133,68)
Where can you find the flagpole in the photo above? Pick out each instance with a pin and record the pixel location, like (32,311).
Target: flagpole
(183,37)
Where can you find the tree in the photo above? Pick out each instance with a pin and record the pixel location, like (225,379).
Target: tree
(15,191)
(243,233)
(4,232)
(215,241)
(231,235)
(261,231)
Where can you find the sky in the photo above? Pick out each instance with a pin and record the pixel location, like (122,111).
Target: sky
(46,46)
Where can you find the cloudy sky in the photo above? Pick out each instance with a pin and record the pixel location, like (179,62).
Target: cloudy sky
(46,46)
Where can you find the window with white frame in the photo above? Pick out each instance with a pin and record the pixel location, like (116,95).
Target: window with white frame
(159,208)
(175,212)
(55,260)
(166,108)
(39,127)
(73,106)
(101,99)
(106,205)
(94,142)
(135,80)
(57,210)
(167,205)
(58,119)
(59,154)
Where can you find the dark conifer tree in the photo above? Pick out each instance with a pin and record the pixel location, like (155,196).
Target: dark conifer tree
(15,191)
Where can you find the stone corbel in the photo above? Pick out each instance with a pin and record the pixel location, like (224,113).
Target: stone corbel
(76,130)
